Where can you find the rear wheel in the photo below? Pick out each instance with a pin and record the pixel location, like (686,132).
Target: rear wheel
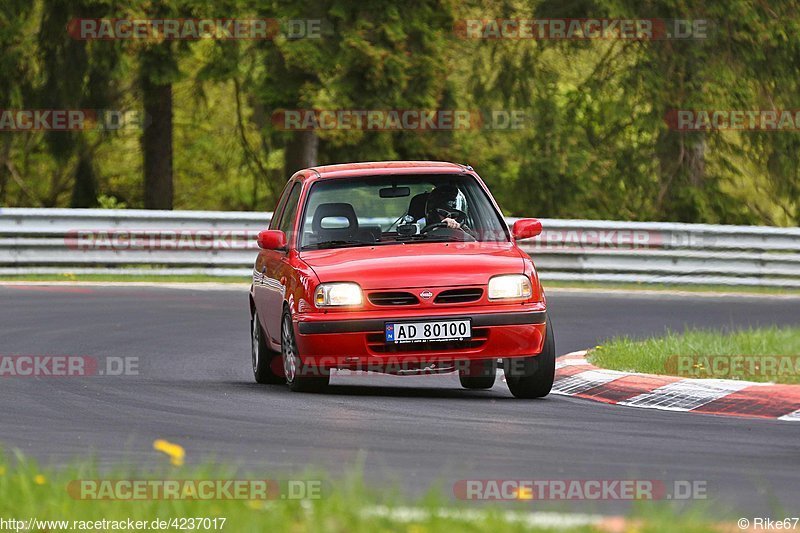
(532,377)
(478,374)
(266,363)
(299,377)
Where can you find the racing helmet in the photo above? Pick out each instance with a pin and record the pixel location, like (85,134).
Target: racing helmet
(444,197)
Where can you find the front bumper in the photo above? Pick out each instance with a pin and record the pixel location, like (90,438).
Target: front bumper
(355,342)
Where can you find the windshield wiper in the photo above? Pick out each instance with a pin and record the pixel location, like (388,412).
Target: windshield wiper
(336,244)
(429,238)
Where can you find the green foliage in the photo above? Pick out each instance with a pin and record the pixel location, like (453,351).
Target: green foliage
(594,144)
(109,202)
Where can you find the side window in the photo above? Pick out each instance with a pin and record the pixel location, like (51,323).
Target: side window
(287,219)
(276,215)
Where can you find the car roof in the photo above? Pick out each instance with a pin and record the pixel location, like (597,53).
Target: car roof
(378,168)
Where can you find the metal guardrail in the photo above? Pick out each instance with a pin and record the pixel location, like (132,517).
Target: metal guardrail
(79,241)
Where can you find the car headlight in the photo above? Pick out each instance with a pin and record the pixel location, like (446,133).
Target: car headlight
(338,295)
(510,286)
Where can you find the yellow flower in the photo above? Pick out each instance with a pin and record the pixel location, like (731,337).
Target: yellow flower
(40,479)
(2,471)
(524,493)
(175,452)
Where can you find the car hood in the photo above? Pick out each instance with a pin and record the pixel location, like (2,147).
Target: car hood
(416,265)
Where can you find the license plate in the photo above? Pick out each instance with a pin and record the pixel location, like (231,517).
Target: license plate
(428,331)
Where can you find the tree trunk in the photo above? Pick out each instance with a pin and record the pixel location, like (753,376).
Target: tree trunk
(301,152)
(84,191)
(682,175)
(157,145)
(5,173)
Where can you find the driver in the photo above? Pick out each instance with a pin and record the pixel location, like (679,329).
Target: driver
(440,205)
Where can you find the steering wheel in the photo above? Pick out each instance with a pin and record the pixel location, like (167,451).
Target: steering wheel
(456,214)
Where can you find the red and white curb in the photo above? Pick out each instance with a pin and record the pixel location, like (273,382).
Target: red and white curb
(575,376)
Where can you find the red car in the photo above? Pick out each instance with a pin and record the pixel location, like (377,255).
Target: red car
(397,267)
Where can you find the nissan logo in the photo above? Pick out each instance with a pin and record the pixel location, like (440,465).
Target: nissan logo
(426,294)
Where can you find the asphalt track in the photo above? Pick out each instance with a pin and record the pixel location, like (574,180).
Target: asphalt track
(195,387)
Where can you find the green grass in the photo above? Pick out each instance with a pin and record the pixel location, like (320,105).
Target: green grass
(697,353)
(28,491)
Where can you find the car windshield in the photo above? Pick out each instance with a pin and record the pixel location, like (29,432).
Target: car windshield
(399,209)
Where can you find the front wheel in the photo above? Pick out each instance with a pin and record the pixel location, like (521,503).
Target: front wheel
(299,377)
(532,377)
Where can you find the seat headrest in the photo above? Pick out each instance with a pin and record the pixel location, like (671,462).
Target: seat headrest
(334,210)
(416,207)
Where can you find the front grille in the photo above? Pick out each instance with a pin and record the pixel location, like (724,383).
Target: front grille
(376,342)
(459,296)
(392,298)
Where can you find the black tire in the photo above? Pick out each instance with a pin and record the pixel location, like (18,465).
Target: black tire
(478,374)
(299,377)
(532,377)
(262,357)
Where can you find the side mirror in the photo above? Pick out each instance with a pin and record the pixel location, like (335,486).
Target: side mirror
(525,228)
(271,239)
